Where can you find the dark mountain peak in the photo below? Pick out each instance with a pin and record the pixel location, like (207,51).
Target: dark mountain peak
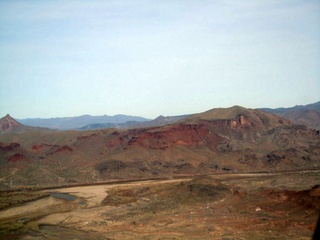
(8,117)
(8,123)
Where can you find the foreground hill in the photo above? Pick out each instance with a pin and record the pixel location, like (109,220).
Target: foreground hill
(220,140)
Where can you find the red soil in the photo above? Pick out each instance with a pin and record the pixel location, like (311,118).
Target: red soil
(163,138)
(18,157)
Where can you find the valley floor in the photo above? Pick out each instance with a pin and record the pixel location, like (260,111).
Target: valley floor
(226,206)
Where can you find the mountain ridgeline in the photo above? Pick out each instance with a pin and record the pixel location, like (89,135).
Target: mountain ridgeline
(220,140)
(308,115)
(81,122)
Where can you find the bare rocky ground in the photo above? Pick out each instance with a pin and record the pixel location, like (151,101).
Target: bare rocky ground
(225,206)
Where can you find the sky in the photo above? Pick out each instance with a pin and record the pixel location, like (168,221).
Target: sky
(149,57)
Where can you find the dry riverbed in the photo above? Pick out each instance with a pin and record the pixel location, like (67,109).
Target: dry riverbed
(229,206)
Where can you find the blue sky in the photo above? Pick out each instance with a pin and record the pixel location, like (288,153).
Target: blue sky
(146,58)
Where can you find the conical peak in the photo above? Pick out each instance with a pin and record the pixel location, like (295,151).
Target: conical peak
(8,118)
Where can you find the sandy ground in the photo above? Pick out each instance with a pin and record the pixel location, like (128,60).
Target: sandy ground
(93,195)
(30,209)
(245,214)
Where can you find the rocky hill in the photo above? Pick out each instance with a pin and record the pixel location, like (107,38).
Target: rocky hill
(8,124)
(233,139)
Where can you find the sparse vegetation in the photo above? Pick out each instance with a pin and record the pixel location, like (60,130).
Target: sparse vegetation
(12,227)
(14,198)
(110,166)
(206,207)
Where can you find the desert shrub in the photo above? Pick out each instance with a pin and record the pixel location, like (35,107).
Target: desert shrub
(11,227)
(110,166)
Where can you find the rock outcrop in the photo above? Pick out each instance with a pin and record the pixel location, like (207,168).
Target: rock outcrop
(220,140)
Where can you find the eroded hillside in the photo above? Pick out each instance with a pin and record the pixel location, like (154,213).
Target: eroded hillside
(220,140)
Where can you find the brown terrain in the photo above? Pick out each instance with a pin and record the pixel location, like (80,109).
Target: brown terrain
(220,206)
(231,173)
(306,117)
(220,140)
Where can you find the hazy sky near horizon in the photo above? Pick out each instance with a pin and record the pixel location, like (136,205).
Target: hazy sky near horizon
(150,58)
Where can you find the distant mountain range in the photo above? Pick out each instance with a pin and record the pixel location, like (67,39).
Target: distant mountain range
(87,122)
(281,110)
(159,121)
(308,115)
(81,122)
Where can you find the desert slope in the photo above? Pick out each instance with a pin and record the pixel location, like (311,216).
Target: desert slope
(234,139)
